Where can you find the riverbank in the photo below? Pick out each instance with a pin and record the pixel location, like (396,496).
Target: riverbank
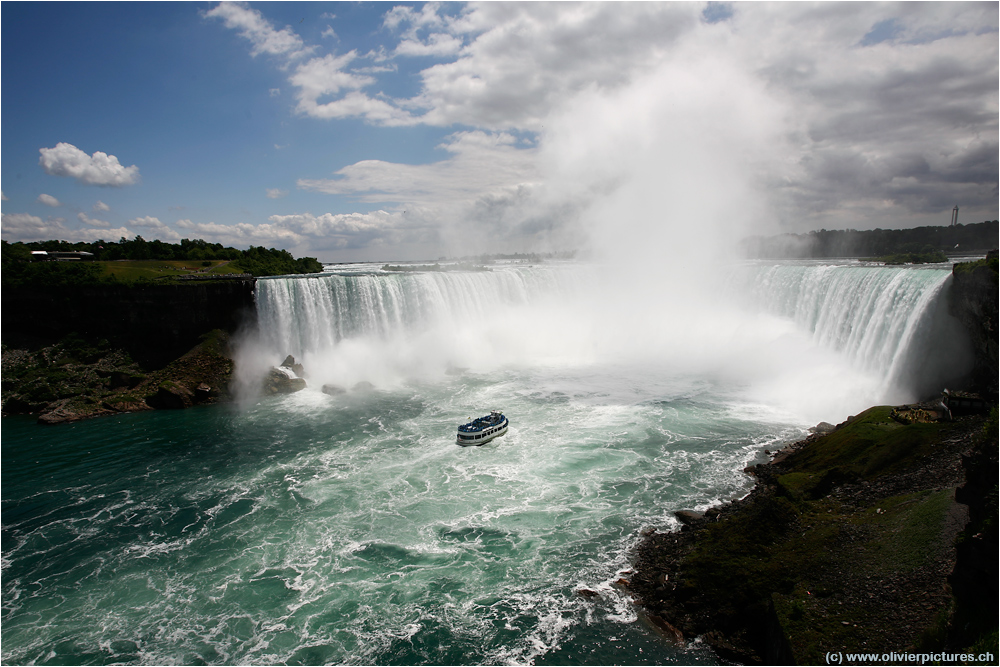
(76,379)
(847,543)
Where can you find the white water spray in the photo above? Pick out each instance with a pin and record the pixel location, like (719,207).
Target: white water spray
(816,341)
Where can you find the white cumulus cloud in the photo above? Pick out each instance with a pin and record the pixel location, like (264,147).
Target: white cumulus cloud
(259,31)
(241,234)
(97,169)
(48,200)
(92,222)
(156,229)
(26,227)
(101,206)
(479,162)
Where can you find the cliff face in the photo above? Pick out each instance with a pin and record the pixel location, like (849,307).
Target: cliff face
(974,304)
(155,323)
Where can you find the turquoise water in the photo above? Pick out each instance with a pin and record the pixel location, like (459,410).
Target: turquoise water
(315,529)
(351,529)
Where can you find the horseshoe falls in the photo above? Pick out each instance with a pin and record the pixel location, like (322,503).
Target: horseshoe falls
(351,529)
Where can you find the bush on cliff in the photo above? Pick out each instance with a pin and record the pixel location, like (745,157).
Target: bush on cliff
(263,262)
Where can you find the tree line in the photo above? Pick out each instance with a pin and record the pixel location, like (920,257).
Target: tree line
(20,269)
(976,237)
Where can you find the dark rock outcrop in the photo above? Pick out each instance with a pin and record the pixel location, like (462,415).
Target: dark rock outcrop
(171,395)
(76,379)
(973,301)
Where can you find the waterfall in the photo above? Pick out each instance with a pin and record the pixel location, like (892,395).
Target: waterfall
(888,323)
(307,315)
(887,320)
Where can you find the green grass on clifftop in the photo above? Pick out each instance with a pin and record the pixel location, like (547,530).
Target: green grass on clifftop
(872,444)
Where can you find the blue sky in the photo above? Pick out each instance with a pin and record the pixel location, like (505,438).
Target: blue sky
(357,131)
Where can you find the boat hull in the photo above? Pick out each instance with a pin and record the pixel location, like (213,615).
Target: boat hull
(477,439)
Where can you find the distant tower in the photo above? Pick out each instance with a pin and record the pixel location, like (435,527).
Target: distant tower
(954,216)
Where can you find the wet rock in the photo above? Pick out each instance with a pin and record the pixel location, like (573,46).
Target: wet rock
(67,410)
(588,593)
(278,381)
(823,427)
(58,412)
(333,389)
(688,518)
(203,392)
(674,635)
(363,386)
(289,362)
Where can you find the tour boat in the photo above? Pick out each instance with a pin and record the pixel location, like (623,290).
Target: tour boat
(482,430)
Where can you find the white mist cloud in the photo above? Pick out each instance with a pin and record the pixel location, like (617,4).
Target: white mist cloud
(854,115)
(276,193)
(101,207)
(97,169)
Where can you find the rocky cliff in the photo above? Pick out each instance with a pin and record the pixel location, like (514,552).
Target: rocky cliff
(973,302)
(155,324)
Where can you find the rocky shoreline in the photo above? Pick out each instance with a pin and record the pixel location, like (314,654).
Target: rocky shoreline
(76,379)
(846,543)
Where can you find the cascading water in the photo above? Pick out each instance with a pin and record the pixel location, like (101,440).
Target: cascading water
(351,529)
(314,314)
(887,322)
(890,321)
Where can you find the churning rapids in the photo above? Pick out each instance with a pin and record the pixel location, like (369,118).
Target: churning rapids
(310,528)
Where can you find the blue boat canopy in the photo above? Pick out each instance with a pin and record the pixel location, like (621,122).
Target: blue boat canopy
(476,425)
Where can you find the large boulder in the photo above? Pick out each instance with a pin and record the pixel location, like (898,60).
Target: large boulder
(278,381)
(289,363)
(333,389)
